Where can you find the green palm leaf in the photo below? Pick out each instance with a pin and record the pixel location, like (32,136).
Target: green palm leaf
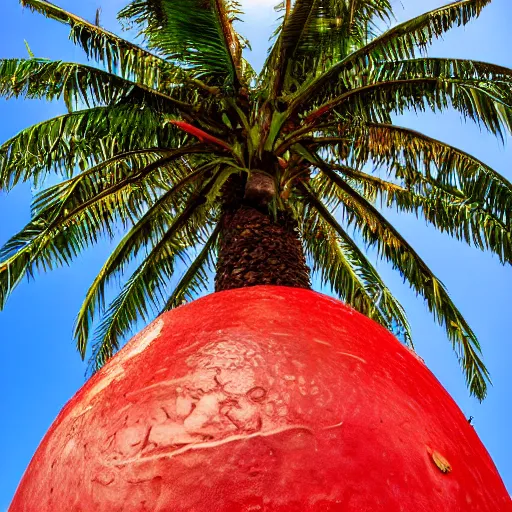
(152,224)
(114,52)
(448,210)
(78,84)
(318,33)
(71,216)
(148,283)
(193,32)
(491,108)
(378,232)
(144,292)
(422,161)
(428,67)
(195,279)
(344,267)
(398,43)
(78,140)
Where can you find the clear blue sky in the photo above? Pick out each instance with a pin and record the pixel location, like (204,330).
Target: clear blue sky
(41,369)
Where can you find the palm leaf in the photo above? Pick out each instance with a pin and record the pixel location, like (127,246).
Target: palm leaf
(428,67)
(148,283)
(144,292)
(424,161)
(77,141)
(152,226)
(194,33)
(116,54)
(75,215)
(84,187)
(343,266)
(399,42)
(482,74)
(80,84)
(293,30)
(195,279)
(317,34)
(448,210)
(378,232)
(376,102)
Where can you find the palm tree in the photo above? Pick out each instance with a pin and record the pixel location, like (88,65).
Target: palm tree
(202,160)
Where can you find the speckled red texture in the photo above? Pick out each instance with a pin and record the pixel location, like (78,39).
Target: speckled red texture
(262,399)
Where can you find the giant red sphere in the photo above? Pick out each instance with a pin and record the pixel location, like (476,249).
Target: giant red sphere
(262,399)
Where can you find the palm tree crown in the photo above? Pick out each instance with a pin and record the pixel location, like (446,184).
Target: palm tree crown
(156,132)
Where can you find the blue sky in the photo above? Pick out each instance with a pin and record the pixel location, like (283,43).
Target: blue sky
(41,369)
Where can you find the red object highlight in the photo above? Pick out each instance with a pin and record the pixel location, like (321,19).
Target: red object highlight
(262,399)
(200,134)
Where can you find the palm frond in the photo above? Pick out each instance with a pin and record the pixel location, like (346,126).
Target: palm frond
(77,141)
(378,232)
(194,33)
(107,177)
(447,209)
(145,291)
(403,40)
(398,43)
(127,176)
(435,67)
(116,54)
(316,34)
(422,161)
(493,79)
(295,26)
(195,279)
(490,107)
(344,267)
(69,217)
(79,85)
(152,228)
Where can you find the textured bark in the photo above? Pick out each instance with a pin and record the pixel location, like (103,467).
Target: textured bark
(260,189)
(255,250)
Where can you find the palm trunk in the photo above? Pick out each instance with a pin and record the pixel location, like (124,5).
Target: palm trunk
(256,249)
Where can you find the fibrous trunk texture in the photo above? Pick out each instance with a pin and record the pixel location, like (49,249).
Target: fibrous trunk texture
(255,250)
(255,246)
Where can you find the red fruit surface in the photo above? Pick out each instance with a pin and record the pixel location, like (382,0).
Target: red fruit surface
(262,399)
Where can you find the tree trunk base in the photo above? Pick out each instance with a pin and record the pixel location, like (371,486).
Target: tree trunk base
(254,250)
